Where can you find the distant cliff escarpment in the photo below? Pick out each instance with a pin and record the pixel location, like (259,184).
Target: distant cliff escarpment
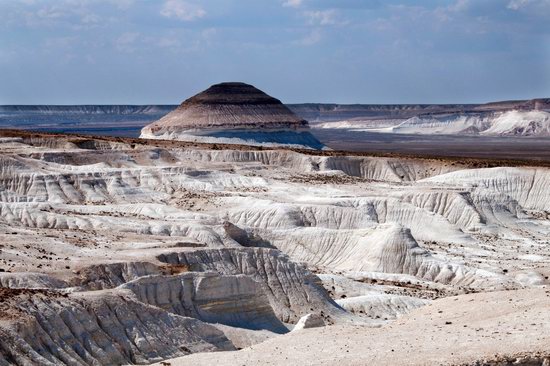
(87,109)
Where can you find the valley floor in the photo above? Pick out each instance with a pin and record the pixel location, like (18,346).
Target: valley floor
(487,147)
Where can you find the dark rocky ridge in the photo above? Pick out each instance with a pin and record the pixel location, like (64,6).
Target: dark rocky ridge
(231,93)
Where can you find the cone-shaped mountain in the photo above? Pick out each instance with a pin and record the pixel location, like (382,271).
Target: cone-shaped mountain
(233,113)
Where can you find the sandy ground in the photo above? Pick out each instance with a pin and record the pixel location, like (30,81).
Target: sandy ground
(495,326)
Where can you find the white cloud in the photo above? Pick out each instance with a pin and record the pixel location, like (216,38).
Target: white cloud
(126,42)
(91,18)
(518,4)
(293,3)
(310,39)
(51,12)
(459,6)
(543,5)
(77,14)
(122,4)
(168,42)
(182,10)
(321,17)
(59,42)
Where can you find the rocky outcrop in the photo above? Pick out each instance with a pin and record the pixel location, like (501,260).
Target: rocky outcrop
(30,280)
(229,105)
(291,289)
(387,248)
(237,301)
(111,275)
(51,328)
(381,306)
(233,113)
(309,321)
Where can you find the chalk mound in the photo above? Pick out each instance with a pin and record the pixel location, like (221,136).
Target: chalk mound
(235,113)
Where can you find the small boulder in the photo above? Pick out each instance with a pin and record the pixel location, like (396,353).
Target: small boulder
(309,321)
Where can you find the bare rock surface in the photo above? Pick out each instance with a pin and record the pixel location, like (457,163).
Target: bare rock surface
(237,301)
(509,118)
(290,288)
(50,328)
(231,104)
(118,251)
(496,328)
(233,113)
(309,321)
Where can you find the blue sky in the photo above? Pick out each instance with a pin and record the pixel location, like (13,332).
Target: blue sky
(343,51)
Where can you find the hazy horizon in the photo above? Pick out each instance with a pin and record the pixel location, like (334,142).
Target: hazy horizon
(138,52)
(176,104)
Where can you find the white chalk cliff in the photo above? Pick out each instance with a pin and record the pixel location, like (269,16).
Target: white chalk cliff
(521,118)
